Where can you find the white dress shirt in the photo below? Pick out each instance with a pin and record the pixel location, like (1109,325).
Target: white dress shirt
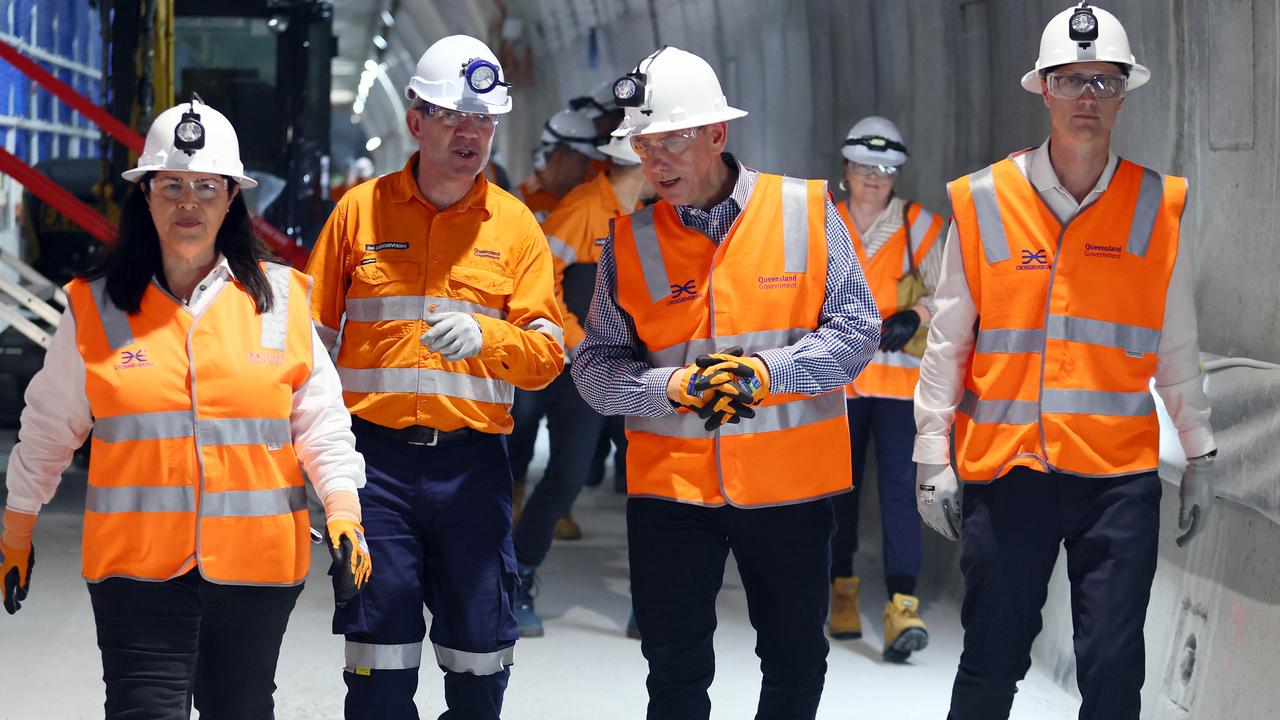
(951,333)
(57,418)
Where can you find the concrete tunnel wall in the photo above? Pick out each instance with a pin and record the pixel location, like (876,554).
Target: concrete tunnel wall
(947,72)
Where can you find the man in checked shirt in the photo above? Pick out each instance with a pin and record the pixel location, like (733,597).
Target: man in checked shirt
(728,451)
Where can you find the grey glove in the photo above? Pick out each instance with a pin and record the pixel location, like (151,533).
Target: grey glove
(938,495)
(455,335)
(1196,494)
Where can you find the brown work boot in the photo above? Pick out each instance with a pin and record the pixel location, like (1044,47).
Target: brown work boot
(845,622)
(567,529)
(517,499)
(904,631)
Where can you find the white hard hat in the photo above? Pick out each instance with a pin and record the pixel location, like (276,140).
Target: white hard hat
(874,140)
(599,102)
(460,73)
(619,148)
(573,129)
(363,168)
(671,90)
(1097,37)
(212,144)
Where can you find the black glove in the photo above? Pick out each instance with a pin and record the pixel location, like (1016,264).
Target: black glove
(898,329)
(15,587)
(344,580)
(725,409)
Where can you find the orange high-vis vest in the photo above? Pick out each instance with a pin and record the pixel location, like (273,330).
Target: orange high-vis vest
(892,374)
(1069,323)
(192,462)
(761,288)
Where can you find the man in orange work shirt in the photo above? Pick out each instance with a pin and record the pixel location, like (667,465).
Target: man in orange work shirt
(440,287)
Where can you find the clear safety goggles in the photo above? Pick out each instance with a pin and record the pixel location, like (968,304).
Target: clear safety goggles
(885,171)
(674,143)
(453,118)
(170,188)
(1069,86)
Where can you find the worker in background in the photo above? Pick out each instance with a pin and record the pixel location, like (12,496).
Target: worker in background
(191,357)
(725,322)
(896,242)
(602,110)
(361,169)
(1065,291)
(445,282)
(576,231)
(565,151)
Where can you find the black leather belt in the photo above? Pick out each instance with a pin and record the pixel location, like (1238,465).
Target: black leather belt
(417,434)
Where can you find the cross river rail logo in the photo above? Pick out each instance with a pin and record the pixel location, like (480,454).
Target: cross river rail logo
(683,293)
(386,246)
(134,359)
(1035,260)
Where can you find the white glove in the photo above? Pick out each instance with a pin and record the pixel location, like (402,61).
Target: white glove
(938,493)
(455,335)
(1196,493)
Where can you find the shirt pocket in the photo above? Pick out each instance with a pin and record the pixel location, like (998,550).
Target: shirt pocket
(384,278)
(489,288)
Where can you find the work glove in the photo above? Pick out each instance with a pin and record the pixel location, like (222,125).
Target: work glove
(738,383)
(938,496)
(725,410)
(1196,495)
(898,329)
(455,335)
(15,575)
(352,564)
(681,388)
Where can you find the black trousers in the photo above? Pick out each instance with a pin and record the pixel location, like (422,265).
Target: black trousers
(678,554)
(164,642)
(1010,537)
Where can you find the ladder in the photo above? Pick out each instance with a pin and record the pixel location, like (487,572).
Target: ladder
(27,301)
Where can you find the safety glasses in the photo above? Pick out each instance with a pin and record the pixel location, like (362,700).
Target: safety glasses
(170,188)
(674,143)
(885,171)
(1069,86)
(453,118)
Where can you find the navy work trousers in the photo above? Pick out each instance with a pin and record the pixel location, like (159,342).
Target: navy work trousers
(678,554)
(892,424)
(575,431)
(527,412)
(1010,537)
(164,642)
(438,523)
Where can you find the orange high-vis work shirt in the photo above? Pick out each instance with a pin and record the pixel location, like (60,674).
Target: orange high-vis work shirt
(1069,323)
(892,374)
(761,288)
(576,231)
(192,456)
(387,259)
(540,202)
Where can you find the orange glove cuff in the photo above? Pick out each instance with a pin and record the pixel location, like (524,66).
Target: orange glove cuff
(342,505)
(18,529)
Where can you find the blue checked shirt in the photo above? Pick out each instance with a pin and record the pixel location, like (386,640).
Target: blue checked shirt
(614,379)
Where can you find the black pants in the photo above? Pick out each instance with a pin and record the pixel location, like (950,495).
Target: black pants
(677,557)
(163,642)
(1010,537)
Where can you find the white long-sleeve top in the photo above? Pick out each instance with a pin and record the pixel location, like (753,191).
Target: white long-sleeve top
(57,418)
(951,333)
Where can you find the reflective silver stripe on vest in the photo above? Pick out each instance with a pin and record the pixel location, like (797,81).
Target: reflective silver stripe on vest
(684,353)
(547,327)
(1097,402)
(770,418)
(895,359)
(426,382)
(253,503)
(1150,198)
(561,249)
(490,663)
(143,426)
(328,336)
(383,657)
(1100,332)
(982,186)
(650,252)
(795,225)
(275,322)
(411,307)
(245,431)
(140,498)
(915,238)
(1004,340)
(115,323)
(1005,412)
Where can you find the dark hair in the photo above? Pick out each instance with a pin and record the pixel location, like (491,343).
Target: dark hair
(136,257)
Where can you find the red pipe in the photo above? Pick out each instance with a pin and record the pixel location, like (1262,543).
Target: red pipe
(61,200)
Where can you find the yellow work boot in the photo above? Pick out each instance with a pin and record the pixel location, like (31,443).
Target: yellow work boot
(567,529)
(846,622)
(904,631)
(517,499)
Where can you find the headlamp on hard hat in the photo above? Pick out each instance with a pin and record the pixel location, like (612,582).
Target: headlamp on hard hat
(482,76)
(188,134)
(631,90)
(877,143)
(1083,26)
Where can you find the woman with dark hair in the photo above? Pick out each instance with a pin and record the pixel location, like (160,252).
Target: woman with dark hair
(191,355)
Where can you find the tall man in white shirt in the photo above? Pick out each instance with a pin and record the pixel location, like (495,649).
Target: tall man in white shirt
(1064,291)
